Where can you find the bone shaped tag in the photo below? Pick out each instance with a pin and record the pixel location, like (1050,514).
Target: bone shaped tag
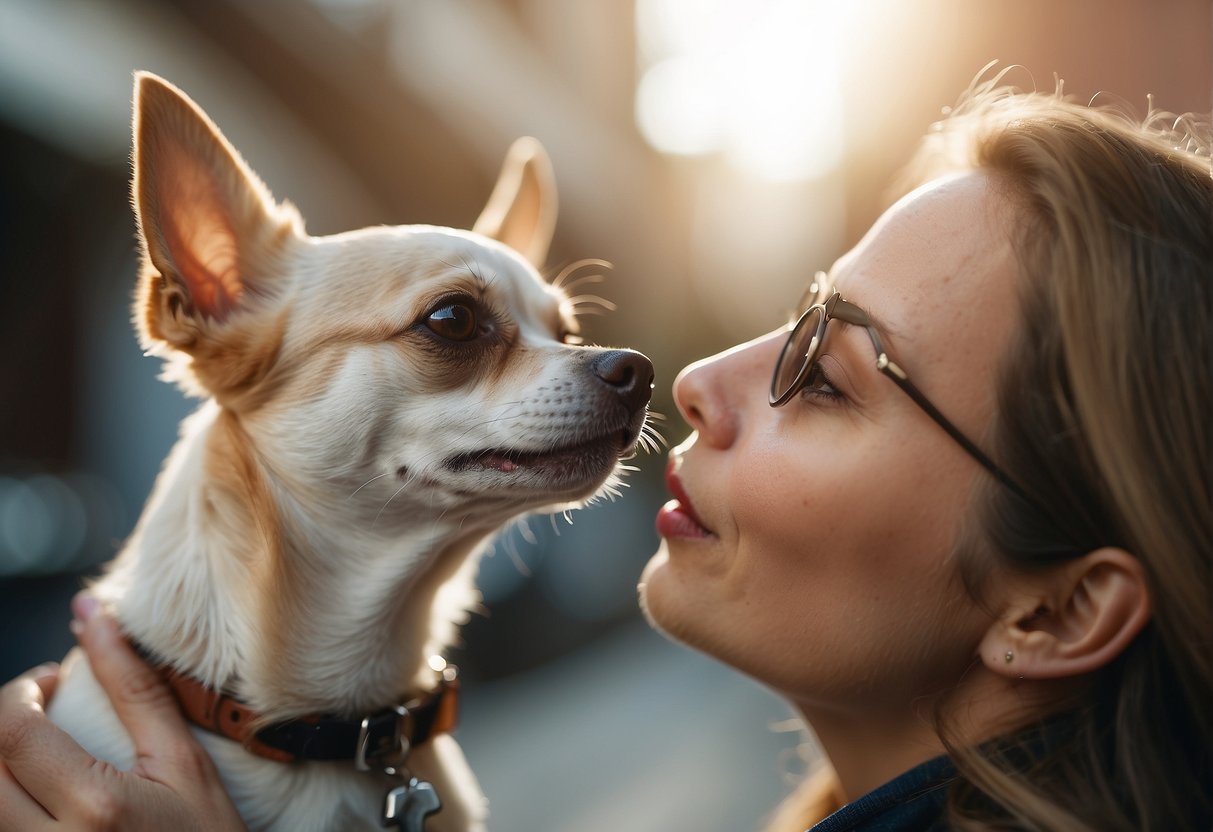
(409,805)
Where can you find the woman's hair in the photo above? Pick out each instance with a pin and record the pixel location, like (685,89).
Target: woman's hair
(1105,415)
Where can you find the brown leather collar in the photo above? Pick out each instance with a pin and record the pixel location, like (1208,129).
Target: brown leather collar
(378,740)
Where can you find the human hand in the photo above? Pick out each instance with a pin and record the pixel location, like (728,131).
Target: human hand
(48,782)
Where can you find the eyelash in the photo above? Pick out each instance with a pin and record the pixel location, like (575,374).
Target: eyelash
(818,386)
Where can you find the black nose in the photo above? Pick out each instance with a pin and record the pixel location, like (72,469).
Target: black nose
(629,374)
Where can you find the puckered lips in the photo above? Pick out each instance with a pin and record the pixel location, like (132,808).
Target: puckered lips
(677,518)
(560,466)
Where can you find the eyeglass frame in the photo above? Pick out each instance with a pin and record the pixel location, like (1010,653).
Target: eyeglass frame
(838,307)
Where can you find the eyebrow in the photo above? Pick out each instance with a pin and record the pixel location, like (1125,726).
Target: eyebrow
(887,330)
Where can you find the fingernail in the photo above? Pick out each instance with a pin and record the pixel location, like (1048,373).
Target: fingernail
(46,668)
(84,606)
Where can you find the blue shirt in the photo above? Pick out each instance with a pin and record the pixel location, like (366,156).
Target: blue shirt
(912,802)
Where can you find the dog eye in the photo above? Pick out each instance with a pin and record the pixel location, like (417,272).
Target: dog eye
(455,322)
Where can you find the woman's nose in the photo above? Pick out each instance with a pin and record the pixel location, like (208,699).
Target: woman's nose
(714,393)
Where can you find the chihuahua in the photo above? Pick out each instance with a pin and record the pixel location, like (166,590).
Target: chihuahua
(378,404)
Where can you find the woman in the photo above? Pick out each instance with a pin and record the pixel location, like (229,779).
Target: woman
(1027,588)
(965,529)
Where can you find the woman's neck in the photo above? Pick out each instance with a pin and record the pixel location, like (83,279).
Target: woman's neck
(870,744)
(867,751)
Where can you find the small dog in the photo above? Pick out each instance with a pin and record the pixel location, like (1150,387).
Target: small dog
(378,404)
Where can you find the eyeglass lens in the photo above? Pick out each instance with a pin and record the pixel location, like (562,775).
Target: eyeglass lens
(798,351)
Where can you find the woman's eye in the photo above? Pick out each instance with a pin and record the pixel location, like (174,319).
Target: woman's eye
(455,322)
(818,385)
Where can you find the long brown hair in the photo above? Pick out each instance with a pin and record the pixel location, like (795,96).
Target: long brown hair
(1105,414)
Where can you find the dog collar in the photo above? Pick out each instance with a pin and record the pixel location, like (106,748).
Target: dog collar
(378,740)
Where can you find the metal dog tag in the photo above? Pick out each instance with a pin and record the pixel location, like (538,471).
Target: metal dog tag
(409,805)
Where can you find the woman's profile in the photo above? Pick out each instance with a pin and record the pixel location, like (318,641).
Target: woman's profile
(967,527)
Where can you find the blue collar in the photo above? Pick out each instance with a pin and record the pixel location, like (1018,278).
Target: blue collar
(912,802)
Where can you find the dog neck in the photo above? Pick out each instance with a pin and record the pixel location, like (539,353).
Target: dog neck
(246,582)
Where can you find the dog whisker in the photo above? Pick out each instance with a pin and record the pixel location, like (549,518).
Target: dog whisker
(582,281)
(520,564)
(558,281)
(591,301)
(385,505)
(510,545)
(475,273)
(365,484)
(478,425)
(651,439)
(438,454)
(524,529)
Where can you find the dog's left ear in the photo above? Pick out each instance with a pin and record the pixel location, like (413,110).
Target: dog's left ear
(213,237)
(522,209)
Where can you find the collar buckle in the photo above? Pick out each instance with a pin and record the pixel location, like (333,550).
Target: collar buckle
(383,740)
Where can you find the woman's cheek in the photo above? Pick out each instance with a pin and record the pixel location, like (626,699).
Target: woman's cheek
(770,502)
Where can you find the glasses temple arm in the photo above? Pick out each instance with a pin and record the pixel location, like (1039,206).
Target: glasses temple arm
(900,378)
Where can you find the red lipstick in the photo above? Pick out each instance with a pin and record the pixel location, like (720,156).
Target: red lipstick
(677,518)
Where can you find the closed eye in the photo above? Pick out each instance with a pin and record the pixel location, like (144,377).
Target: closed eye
(819,387)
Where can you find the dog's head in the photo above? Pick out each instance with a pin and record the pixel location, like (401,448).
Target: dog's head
(384,373)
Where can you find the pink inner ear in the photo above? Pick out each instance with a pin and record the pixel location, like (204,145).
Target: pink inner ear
(198,232)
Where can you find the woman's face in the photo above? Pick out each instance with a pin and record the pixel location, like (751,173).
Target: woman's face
(810,544)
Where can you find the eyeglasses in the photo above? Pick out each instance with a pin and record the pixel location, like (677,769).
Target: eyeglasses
(799,356)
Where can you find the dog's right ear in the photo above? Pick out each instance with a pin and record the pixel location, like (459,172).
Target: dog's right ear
(213,237)
(522,209)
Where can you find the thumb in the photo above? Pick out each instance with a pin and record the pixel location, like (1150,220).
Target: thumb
(143,702)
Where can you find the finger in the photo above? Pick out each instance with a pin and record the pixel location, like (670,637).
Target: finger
(46,677)
(18,811)
(46,762)
(141,699)
(43,678)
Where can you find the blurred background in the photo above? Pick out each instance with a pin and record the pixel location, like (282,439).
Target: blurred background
(717,152)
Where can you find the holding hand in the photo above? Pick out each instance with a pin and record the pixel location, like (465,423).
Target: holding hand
(47,781)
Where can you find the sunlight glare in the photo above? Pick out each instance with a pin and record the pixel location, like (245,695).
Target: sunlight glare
(755,80)
(676,112)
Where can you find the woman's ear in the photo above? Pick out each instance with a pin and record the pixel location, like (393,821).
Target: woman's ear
(1071,619)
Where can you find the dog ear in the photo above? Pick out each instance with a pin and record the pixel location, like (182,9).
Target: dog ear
(522,209)
(213,238)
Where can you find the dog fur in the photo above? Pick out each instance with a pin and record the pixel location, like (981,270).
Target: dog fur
(311,540)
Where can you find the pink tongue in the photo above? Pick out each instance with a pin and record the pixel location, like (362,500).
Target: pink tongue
(498,462)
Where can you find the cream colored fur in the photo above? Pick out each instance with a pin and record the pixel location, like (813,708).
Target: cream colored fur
(310,541)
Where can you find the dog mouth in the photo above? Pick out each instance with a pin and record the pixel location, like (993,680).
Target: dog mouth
(561,465)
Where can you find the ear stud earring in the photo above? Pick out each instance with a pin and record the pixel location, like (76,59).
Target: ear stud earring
(1009,657)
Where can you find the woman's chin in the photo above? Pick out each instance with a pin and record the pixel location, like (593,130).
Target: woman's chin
(652,590)
(667,600)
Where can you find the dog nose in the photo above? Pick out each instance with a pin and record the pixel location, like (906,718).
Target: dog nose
(629,374)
